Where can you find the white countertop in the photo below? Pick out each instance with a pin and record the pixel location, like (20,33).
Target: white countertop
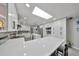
(6,31)
(38,47)
(13,47)
(43,46)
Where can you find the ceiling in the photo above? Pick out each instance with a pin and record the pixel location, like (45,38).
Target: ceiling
(57,10)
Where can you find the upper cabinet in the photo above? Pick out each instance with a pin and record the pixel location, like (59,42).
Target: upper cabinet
(12,17)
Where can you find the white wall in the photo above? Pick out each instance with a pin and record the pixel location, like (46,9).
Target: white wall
(72,33)
(12,16)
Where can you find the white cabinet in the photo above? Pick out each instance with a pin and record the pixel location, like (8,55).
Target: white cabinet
(12,17)
(57,28)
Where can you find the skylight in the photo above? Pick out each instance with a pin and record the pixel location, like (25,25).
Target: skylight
(39,12)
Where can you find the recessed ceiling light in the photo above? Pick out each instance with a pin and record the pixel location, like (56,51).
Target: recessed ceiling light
(10,14)
(54,18)
(25,17)
(27,5)
(41,13)
(2,16)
